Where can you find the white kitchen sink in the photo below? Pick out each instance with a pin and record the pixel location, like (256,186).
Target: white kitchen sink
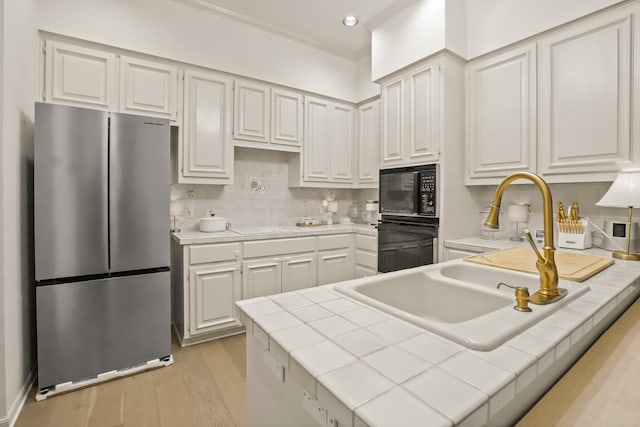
(457,300)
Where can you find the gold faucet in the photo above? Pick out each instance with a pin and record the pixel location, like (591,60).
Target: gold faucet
(546,264)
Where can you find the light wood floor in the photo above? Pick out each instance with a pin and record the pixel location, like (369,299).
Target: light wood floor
(206,386)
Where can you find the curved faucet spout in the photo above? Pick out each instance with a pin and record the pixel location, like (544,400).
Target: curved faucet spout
(546,265)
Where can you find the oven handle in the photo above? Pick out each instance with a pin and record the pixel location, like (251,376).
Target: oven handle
(433,227)
(435,250)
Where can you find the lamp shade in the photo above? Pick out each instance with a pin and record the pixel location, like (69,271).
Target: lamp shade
(624,192)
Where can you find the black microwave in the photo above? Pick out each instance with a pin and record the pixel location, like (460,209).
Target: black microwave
(409,191)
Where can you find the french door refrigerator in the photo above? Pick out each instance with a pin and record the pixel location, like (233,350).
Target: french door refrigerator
(101,205)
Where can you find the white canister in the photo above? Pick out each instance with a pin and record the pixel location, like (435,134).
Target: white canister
(211,224)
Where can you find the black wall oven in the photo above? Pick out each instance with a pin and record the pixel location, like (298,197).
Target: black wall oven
(408,226)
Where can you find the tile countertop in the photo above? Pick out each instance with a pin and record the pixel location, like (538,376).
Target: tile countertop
(269,232)
(360,361)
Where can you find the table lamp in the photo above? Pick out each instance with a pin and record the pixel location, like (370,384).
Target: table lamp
(624,193)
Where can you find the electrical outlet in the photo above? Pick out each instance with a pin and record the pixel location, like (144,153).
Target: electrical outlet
(311,405)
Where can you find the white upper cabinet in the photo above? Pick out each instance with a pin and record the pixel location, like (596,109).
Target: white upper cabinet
(267,117)
(316,152)
(411,117)
(586,98)
(561,105)
(148,88)
(251,111)
(368,143)
(286,118)
(501,114)
(79,76)
(342,127)
(101,79)
(328,146)
(207,147)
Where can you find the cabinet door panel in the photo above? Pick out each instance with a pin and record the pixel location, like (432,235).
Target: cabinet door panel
(299,272)
(80,76)
(286,117)
(214,289)
(252,111)
(148,88)
(501,114)
(341,141)
(208,150)
(316,147)
(423,111)
(368,142)
(261,278)
(335,266)
(585,88)
(392,122)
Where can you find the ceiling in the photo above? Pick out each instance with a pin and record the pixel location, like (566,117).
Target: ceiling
(314,22)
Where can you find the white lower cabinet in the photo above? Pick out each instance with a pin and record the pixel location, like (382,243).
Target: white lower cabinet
(213,291)
(206,282)
(299,272)
(366,256)
(208,279)
(335,258)
(261,277)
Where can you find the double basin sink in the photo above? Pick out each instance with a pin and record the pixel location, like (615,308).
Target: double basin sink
(458,300)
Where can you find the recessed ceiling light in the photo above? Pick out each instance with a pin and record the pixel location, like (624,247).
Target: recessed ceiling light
(350,21)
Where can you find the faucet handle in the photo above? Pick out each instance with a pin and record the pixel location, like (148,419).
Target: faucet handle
(527,235)
(522,297)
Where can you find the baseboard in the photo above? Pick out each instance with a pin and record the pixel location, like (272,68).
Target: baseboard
(18,403)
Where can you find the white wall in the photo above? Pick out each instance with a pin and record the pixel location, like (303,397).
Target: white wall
(412,34)
(419,31)
(196,35)
(366,87)
(19,89)
(492,24)
(3,390)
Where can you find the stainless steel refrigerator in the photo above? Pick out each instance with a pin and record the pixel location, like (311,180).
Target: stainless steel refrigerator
(101,206)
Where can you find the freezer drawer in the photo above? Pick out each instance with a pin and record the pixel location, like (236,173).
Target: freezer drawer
(87,328)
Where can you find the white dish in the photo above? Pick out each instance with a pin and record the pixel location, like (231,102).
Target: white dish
(212,224)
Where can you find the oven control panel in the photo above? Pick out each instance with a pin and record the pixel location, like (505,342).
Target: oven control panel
(427,193)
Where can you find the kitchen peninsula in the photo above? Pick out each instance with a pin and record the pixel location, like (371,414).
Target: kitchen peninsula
(357,365)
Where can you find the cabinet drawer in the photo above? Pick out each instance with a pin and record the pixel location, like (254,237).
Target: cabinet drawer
(367,259)
(333,242)
(262,248)
(200,254)
(369,243)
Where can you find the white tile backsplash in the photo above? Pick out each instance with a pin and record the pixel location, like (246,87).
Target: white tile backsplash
(276,204)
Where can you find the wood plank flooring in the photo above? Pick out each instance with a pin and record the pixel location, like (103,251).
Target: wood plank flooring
(206,386)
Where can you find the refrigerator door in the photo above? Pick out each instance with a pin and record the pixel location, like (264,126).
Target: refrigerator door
(70,192)
(139,192)
(87,328)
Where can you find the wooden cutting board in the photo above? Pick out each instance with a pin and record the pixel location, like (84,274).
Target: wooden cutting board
(571,266)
